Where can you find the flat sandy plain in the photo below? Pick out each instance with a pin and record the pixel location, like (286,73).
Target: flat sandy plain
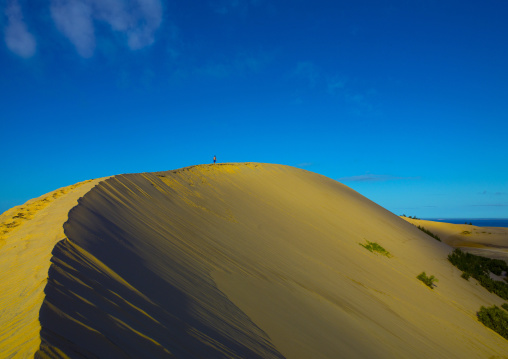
(229,261)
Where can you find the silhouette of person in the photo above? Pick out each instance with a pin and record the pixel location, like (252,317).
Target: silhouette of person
(214,158)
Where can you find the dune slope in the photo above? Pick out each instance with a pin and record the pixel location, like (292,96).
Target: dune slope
(489,242)
(252,261)
(28,234)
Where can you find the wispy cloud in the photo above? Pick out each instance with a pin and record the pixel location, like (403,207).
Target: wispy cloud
(74,19)
(308,72)
(374,178)
(359,98)
(138,20)
(147,21)
(486,193)
(335,85)
(241,64)
(490,205)
(17,37)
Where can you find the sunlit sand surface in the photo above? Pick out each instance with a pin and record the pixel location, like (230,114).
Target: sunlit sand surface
(231,261)
(489,242)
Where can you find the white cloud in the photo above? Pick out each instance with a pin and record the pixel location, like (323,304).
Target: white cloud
(114,13)
(17,37)
(74,19)
(137,19)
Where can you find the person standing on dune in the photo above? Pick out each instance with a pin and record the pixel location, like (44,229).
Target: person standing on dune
(214,158)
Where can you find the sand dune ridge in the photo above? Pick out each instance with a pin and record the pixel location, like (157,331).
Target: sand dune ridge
(251,261)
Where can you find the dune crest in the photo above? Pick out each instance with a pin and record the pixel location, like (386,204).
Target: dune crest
(28,234)
(252,261)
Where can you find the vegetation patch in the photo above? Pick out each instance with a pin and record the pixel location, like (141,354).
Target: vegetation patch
(495,318)
(476,265)
(428,281)
(480,268)
(436,237)
(465,275)
(466,233)
(413,217)
(375,248)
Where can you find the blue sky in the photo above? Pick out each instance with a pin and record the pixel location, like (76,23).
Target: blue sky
(404,101)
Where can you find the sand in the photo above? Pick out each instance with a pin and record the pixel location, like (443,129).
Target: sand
(245,261)
(28,234)
(489,242)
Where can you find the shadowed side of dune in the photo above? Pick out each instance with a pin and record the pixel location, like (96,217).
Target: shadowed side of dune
(127,282)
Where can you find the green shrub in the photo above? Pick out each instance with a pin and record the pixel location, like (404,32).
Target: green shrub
(375,248)
(479,268)
(505,306)
(476,265)
(494,318)
(429,233)
(465,275)
(429,281)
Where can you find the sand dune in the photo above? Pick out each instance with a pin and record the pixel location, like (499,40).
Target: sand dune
(241,261)
(489,242)
(28,234)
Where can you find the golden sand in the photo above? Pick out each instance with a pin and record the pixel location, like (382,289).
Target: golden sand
(241,261)
(489,242)
(28,234)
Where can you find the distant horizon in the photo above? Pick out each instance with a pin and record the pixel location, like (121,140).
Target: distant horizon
(479,222)
(457,218)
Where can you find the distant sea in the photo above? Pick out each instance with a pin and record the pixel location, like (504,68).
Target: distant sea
(480,222)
